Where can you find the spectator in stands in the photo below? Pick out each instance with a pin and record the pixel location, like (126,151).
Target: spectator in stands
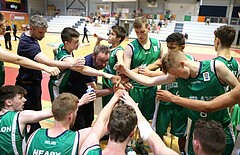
(159,26)
(87,19)
(207,21)
(108,20)
(186,36)
(167,16)
(57,13)
(117,16)
(93,19)
(165,22)
(160,23)
(134,14)
(224,20)
(85,33)
(96,22)
(103,20)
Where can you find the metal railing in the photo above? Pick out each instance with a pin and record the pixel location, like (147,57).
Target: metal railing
(48,14)
(231,21)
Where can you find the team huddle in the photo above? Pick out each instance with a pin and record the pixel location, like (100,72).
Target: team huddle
(189,89)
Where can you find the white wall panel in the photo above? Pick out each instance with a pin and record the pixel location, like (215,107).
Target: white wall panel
(217,2)
(36,5)
(182,9)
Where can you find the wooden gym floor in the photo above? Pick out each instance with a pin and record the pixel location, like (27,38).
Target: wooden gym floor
(199,51)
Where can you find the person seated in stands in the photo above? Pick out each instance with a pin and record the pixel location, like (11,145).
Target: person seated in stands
(57,12)
(108,20)
(87,19)
(186,36)
(103,20)
(165,22)
(160,23)
(207,21)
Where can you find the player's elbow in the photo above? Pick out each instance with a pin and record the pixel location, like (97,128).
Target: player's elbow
(207,108)
(147,83)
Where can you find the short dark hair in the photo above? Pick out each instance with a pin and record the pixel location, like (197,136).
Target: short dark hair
(226,34)
(122,122)
(120,32)
(101,49)
(177,38)
(9,92)
(68,33)
(211,136)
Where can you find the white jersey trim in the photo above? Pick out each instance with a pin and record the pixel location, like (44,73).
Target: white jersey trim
(13,134)
(30,140)
(76,143)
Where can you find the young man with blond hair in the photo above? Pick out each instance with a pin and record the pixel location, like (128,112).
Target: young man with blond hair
(195,79)
(60,139)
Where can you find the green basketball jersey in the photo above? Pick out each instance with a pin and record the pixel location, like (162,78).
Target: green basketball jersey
(173,87)
(107,83)
(2,74)
(57,84)
(10,136)
(144,57)
(205,86)
(93,150)
(232,64)
(110,67)
(66,143)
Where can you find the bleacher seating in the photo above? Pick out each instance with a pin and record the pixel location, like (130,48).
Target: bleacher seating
(57,24)
(198,32)
(164,32)
(100,29)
